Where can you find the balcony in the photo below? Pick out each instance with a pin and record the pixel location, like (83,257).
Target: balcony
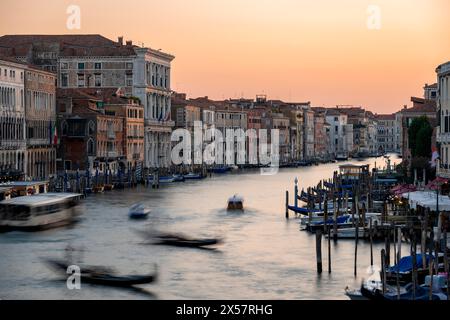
(12,144)
(111,135)
(136,156)
(111,154)
(443,137)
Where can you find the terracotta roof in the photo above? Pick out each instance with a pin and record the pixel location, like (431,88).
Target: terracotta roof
(422,105)
(69,45)
(385,116)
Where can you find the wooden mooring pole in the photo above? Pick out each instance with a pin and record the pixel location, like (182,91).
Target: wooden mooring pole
(319,250)
(287,204)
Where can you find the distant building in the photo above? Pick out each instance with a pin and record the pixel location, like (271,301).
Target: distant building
(421,107)
(340,133)
(386,133)
(321,138)
(430,91)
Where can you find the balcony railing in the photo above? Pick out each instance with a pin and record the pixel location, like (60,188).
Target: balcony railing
(12,144)
(443,137)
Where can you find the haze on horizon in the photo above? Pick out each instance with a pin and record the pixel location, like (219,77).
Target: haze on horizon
(294,50)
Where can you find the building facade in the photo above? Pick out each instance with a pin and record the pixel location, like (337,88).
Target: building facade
(443,110)
(386,133)
(93,61)
(40,118)
(12,118)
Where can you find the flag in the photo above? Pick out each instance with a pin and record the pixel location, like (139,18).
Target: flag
(50,132)
(434,157)
(55,135)
(167,116)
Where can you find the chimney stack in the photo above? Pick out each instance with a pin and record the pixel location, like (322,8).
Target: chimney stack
(120,41)
(129,43)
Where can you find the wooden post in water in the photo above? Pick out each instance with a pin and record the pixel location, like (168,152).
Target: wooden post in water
(296,192)
(414,262)
(371,242)
(399,244)
(287,204)
(329,249)
(356,248)
(383,270)
(319,250)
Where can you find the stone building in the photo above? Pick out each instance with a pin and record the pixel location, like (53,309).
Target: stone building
(93,61)
(321,141)
(90,138)
(421,107)
(132,114)
(40,118)
(12,118)
(386,133)
(443,111)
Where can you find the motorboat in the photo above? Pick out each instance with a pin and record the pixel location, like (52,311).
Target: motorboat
(193,176)
(178,178)
(40,211)
(139,211)
(221,170)
(235,203)
(162,179)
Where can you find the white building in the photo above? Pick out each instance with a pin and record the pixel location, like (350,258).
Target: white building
(340,133)
(443,129)
(12,117)
(151,84)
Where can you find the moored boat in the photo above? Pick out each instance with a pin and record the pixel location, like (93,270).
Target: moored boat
(193,176)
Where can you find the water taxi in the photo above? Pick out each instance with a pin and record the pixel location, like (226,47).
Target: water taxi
(235,203)
(41,211)
(139,211)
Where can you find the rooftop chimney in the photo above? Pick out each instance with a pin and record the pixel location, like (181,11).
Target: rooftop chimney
(129,43)
(120,41)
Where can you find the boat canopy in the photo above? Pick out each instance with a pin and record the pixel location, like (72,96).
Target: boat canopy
(406,263)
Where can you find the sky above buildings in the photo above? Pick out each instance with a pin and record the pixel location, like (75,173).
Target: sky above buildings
(325,51)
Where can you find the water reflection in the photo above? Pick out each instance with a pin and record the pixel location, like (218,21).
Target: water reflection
(264,256)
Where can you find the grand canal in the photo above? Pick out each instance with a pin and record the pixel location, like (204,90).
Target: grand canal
(264,256)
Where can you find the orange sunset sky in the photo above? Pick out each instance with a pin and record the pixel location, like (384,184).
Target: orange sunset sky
(295,50)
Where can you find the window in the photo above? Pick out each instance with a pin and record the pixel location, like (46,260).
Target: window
(81,82)
(64,66)
(97,66)
(129,66)
(129,80)
(64,80)
(90,147)
(91,128)
(80,65)
(98,80)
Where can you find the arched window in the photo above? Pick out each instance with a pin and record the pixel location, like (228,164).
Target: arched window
(91,128)
(65,128)
(90,147)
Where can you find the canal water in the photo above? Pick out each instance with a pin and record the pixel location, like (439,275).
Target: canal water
(264,256)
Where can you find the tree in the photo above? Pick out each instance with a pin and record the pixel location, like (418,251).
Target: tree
(419,136)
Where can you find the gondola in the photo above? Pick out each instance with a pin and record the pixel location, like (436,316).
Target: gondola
(194,243)
(177,240)
(101,275)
